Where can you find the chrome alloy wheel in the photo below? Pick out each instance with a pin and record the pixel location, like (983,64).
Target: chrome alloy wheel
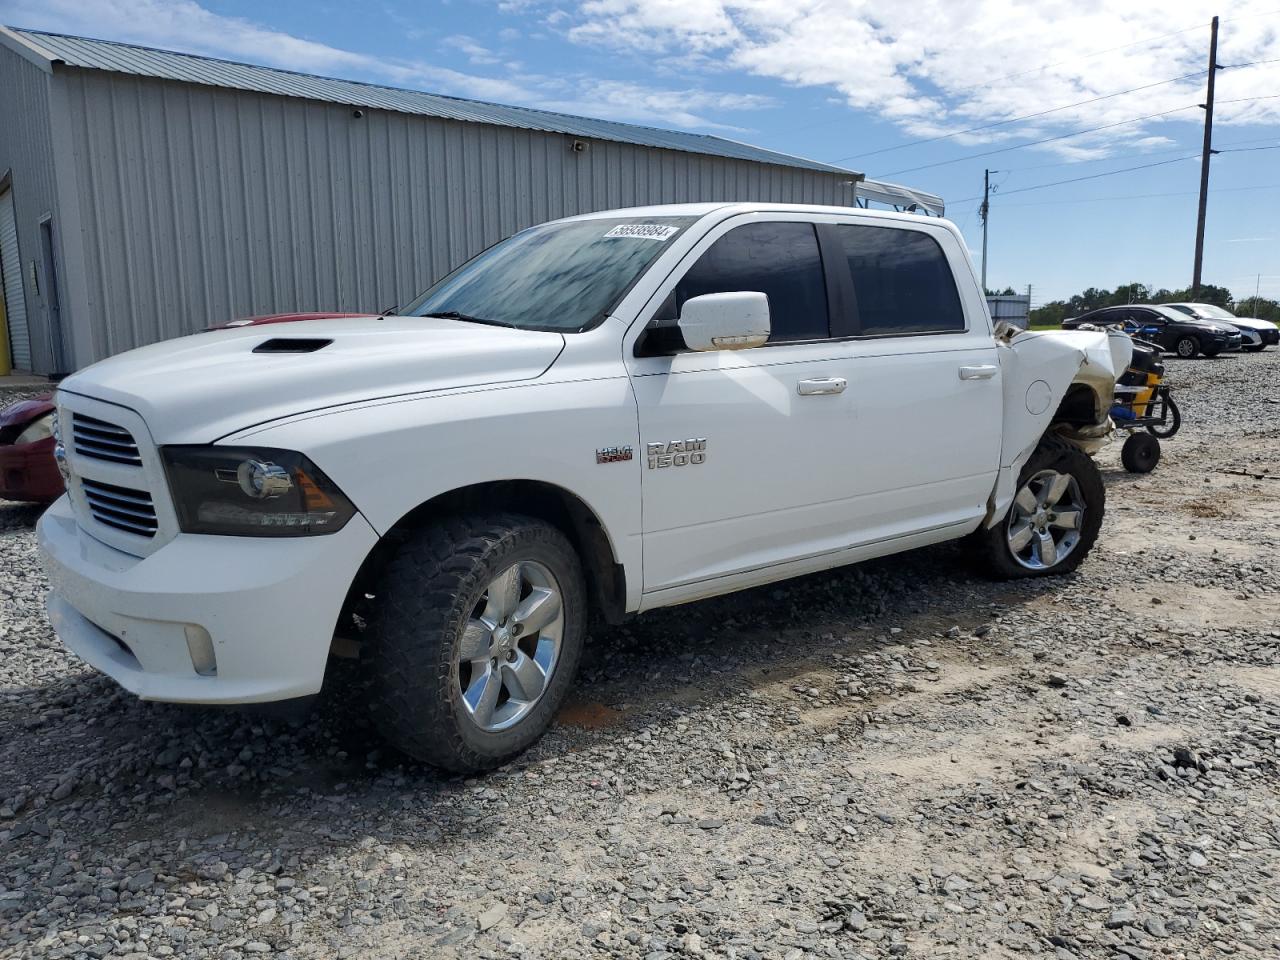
(510,646)
(1045,520)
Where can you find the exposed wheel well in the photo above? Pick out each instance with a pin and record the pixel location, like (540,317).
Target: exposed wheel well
(606,578)
(1079,406)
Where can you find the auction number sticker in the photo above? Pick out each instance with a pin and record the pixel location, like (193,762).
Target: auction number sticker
(643,231)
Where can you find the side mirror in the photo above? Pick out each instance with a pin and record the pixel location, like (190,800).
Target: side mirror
(725,321)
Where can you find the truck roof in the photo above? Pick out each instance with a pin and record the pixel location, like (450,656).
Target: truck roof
(729,208)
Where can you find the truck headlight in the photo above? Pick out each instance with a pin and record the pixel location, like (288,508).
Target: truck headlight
(253,492)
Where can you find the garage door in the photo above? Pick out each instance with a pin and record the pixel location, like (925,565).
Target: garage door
(15,304)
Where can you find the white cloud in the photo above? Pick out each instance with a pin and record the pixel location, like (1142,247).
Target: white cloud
(936,67)
(476,52)
(186,26)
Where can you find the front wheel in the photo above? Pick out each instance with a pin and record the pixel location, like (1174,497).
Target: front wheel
(1187,347)
(1054,518)
(475,635)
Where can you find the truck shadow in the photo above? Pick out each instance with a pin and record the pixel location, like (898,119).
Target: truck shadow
(197,775)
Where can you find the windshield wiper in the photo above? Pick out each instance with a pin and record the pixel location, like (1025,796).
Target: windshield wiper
(457,315)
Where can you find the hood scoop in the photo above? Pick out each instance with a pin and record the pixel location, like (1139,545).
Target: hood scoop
(292,345)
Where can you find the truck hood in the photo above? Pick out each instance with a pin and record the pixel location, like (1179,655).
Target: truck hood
(197,389)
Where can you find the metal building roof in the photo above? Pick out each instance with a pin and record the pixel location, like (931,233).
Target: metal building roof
(54,48)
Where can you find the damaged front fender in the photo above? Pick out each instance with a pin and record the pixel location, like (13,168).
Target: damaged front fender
(1055,378)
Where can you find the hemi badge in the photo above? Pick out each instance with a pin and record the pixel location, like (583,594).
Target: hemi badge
(613,454)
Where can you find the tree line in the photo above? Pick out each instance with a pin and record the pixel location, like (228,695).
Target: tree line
(1054,312)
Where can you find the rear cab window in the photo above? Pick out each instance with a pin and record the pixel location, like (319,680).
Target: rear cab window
(902,282)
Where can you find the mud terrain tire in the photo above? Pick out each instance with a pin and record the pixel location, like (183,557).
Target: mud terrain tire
(431,592)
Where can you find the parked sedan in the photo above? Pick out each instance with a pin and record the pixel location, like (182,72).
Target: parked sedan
(1258,334)
(1172,330)
(28,471)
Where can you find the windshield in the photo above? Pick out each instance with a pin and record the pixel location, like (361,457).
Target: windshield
(1203,311)
(1216,313)
(558,276)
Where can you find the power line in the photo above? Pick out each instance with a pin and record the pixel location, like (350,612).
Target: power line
(1029,116)
(1066,136)
(1036,143)
(1110,173)
(1251,63)
(1092,176)
(1113,199)
(1251,16)
(1269,96)
(1023,73)
(1156,153)
(1084,56)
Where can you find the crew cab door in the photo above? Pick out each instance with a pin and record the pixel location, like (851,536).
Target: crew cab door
(741,448)
(925,380)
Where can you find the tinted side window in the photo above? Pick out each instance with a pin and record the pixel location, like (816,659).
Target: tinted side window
(780,260)
(902,281)
(1145,318)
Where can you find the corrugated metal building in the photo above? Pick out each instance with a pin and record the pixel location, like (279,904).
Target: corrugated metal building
(155,193)
(1016,308)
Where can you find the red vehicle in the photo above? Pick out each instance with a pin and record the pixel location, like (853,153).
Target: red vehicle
(28,471)
(27,468)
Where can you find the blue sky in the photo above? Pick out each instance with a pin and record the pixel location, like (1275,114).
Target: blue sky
(853,82)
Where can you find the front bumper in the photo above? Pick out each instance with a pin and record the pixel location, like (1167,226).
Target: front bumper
(28,472)
(261,611)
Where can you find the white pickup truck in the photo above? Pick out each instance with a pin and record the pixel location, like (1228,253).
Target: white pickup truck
(603,414)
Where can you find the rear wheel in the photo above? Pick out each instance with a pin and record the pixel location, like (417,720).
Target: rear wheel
(1140,453)
(475,636)
(1255,347)
(1054,518)
(1187,347)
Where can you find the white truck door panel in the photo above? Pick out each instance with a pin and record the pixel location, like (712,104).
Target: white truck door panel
(927,435)
(926,384)
(761,485)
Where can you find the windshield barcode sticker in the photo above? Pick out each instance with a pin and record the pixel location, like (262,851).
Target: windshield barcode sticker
(643,231)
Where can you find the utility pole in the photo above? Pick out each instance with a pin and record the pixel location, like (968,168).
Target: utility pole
(1205,154)
(983,211)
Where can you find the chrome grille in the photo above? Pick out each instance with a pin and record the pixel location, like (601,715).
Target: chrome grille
(103,441)
(120,507)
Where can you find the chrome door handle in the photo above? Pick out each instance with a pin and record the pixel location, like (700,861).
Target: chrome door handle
(822,386)
(983,371)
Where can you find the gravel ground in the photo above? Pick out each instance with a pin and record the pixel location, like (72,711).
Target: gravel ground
(895,759)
